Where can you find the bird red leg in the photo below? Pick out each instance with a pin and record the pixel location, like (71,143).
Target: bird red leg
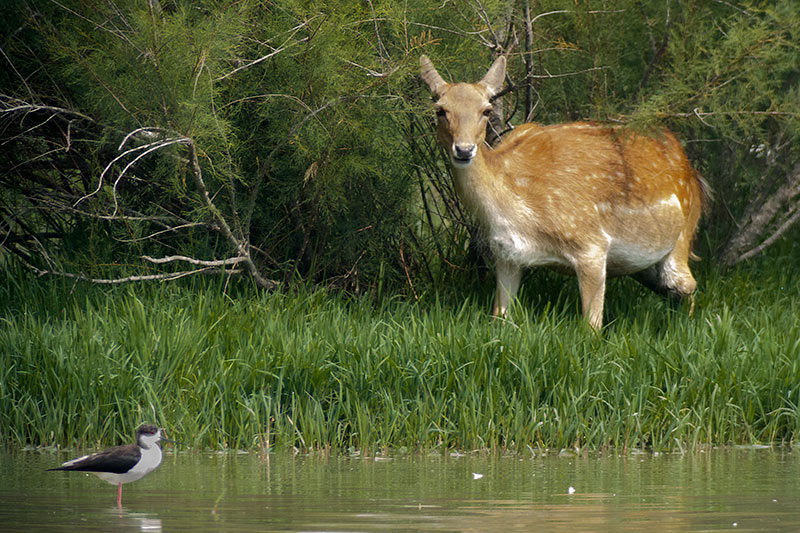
(119,496)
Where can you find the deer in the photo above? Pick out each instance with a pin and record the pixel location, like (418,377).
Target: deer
(587,198)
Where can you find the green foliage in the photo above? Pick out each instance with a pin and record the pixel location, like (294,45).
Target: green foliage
(311,129)
(298,144)
(732,93)
(317,371)
(315,143)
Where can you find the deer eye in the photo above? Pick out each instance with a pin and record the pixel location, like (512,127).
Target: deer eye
(487,112)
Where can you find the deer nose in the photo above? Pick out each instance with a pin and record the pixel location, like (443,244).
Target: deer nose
(464,152)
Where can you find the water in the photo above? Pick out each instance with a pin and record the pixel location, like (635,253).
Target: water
(730,490)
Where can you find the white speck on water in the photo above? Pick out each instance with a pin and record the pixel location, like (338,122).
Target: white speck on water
(734,524)
(571,490)
(475,475)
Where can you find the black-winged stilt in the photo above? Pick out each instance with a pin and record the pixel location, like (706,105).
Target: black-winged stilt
(123,464)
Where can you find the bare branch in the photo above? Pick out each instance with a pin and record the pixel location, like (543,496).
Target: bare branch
(566,74)
(147,131)
(20,76)
(121,35)
(19,105)
(148,148)
(275,51)
(169,229)
(268,95)
(743,245)
(512,87)
(65,204)
(381,48)
(373,73)
(540,15)
(159,145)
(149,277)
(173,258)
(495,45)
(250,64)
(241,246)
(778,233)
(699,114)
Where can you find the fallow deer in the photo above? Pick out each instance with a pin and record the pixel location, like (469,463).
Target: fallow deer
(593,199)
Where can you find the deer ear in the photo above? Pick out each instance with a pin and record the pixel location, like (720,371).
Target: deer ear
(430,76)
(496,76)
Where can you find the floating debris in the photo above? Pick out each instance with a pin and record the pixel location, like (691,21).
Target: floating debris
(475,475)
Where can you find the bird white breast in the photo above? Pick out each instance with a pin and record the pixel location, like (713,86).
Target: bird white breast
(149,461)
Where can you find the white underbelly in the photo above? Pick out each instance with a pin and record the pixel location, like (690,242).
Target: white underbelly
(116,479)
(627,250)
(622,257)
(625,258)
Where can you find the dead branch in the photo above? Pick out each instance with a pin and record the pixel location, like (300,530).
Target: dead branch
(771,213)
(479,9)
(153,140)
(511,87)
(149,277)
(275,51)
(239,245)
(15,106)
(173,258)
(250,64)
(778,233)
(697,113)
(145,148)
(169,229)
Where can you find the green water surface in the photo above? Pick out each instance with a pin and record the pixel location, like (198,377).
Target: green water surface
(730,490)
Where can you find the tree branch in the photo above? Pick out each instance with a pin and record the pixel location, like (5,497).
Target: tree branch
(150,277)
(743,245)
(173,258)
(241,246)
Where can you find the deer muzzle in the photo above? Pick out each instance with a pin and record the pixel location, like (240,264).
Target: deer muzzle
(463,153)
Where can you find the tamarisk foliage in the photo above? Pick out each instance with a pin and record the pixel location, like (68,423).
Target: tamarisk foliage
(285,141)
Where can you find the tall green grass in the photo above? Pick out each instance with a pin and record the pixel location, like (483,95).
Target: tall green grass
(83,365)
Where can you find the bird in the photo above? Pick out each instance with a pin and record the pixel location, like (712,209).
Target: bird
(123,464)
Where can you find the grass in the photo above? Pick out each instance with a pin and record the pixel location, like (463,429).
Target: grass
(83,366)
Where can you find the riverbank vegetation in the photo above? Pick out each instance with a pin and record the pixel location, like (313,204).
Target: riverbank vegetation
(317,370)
(232,218)
(293,143)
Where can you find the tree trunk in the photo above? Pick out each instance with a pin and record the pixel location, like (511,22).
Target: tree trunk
(765,224)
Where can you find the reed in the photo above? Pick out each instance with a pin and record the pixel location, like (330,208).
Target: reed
(82,366)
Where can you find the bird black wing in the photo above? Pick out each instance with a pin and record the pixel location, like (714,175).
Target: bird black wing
(117,460)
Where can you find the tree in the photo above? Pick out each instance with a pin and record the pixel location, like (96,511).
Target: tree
(288,142)
(228,137)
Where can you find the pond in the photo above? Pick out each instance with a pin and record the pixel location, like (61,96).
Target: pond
(728,489)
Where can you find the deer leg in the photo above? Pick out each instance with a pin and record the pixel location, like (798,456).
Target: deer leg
(671,276)
(668,278)
(675,269)
(592,284)
(508,279)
